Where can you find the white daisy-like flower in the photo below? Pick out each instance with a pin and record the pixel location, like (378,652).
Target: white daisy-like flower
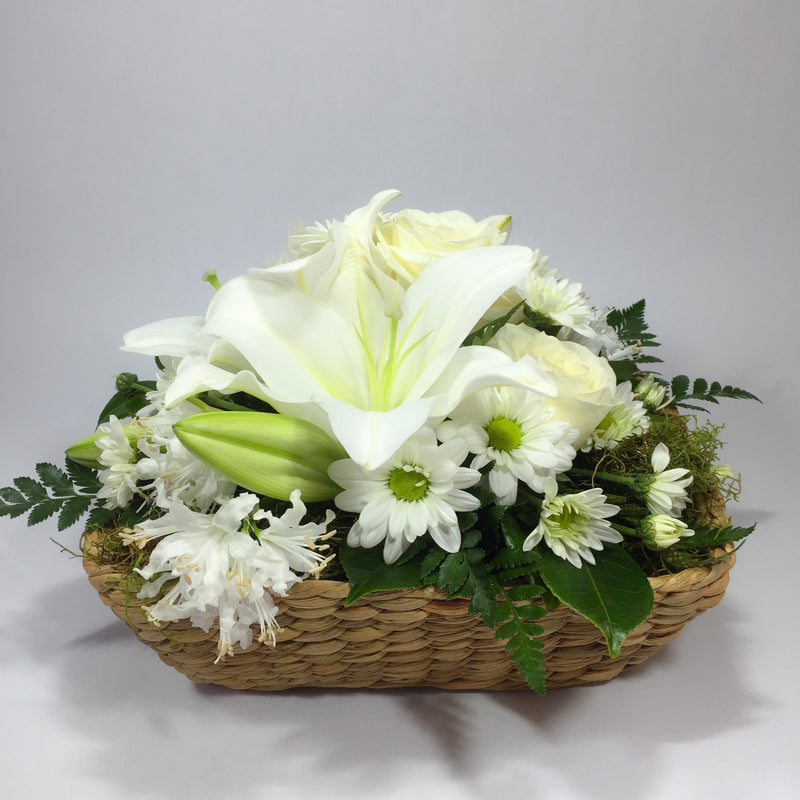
(173,472)
(511,428)
(573,525)
(650,391)
(417,491)
(121,475)
(220,570)
(660,530)
(627,417)
(559,299)
(666,493)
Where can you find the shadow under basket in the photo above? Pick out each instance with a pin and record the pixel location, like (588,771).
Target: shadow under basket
(415,637)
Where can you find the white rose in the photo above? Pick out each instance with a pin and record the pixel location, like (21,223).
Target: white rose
(586,383)
(409,240)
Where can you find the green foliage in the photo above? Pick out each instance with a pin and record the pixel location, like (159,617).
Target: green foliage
(483,335)
(704,391)
(614,593)
(367,572)
(467,574)
(129,398)
(706,537)
(632,329)
(69,494)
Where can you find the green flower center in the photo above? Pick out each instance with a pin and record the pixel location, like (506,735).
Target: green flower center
(408,483)
(504,434)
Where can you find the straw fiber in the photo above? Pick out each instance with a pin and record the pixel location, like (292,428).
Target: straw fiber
(407,638)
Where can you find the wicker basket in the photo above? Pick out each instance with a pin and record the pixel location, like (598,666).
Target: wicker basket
(407,638)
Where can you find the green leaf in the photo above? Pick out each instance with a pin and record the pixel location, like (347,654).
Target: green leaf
(701,390)
(485,334)
(42,510)
(614,593)
(12,502)
(707,536)
(72,510)
(83,477)
(130,398)
(679,386)
(526,648)
(630,325)
(367,572)
(54,478)
(431,562)
(33,490)
(454,574)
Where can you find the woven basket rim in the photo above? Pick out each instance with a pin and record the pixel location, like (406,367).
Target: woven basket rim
(692,576)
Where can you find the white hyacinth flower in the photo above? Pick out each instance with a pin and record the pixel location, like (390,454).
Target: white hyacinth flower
(627,417)
(512,429)
(667,493)
(574,525)
(220,570)
(121,475)
(660,531)
(417,491)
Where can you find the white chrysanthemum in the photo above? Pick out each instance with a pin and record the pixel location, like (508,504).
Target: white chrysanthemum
(650,391)
(559,299)
(660,530)
(627,417)
(173,472)
(121,475)
(666,493)
(573,525)
(511,428)
(221,571)
(417,491)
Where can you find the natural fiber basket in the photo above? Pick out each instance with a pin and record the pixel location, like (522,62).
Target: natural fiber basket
(407,638)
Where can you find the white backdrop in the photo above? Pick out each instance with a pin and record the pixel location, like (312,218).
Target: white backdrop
(650,149)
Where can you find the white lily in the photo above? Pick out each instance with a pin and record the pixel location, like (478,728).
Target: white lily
(373,372)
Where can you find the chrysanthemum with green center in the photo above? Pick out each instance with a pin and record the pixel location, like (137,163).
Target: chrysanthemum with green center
(574,525)
(417,491)
(511,429)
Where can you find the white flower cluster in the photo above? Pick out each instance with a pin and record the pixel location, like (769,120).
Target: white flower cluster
(360,330)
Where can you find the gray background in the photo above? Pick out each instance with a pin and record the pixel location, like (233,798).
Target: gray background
(651,149)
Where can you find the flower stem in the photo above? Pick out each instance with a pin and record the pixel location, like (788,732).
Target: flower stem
(605,476)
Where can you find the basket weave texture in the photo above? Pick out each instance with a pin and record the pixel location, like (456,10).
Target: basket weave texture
(407,638)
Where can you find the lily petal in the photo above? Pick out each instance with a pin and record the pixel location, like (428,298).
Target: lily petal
(177,336)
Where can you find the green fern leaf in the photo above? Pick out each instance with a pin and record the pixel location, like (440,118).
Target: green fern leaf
(72,510)
(33,490)
(55,479)
(43,510)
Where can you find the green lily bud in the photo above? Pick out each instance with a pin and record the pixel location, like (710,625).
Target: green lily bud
(86,451)
(270,454)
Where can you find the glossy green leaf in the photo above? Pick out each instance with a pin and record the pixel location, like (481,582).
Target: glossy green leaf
(614,593)
(367,572)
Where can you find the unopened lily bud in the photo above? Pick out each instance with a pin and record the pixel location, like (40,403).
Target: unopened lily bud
(271,454)
(86,451)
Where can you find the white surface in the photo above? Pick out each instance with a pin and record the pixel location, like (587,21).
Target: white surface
(651,149)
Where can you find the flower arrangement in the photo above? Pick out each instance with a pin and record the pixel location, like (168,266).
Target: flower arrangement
(402,400)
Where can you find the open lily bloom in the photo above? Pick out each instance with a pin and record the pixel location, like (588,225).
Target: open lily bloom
(371,370)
